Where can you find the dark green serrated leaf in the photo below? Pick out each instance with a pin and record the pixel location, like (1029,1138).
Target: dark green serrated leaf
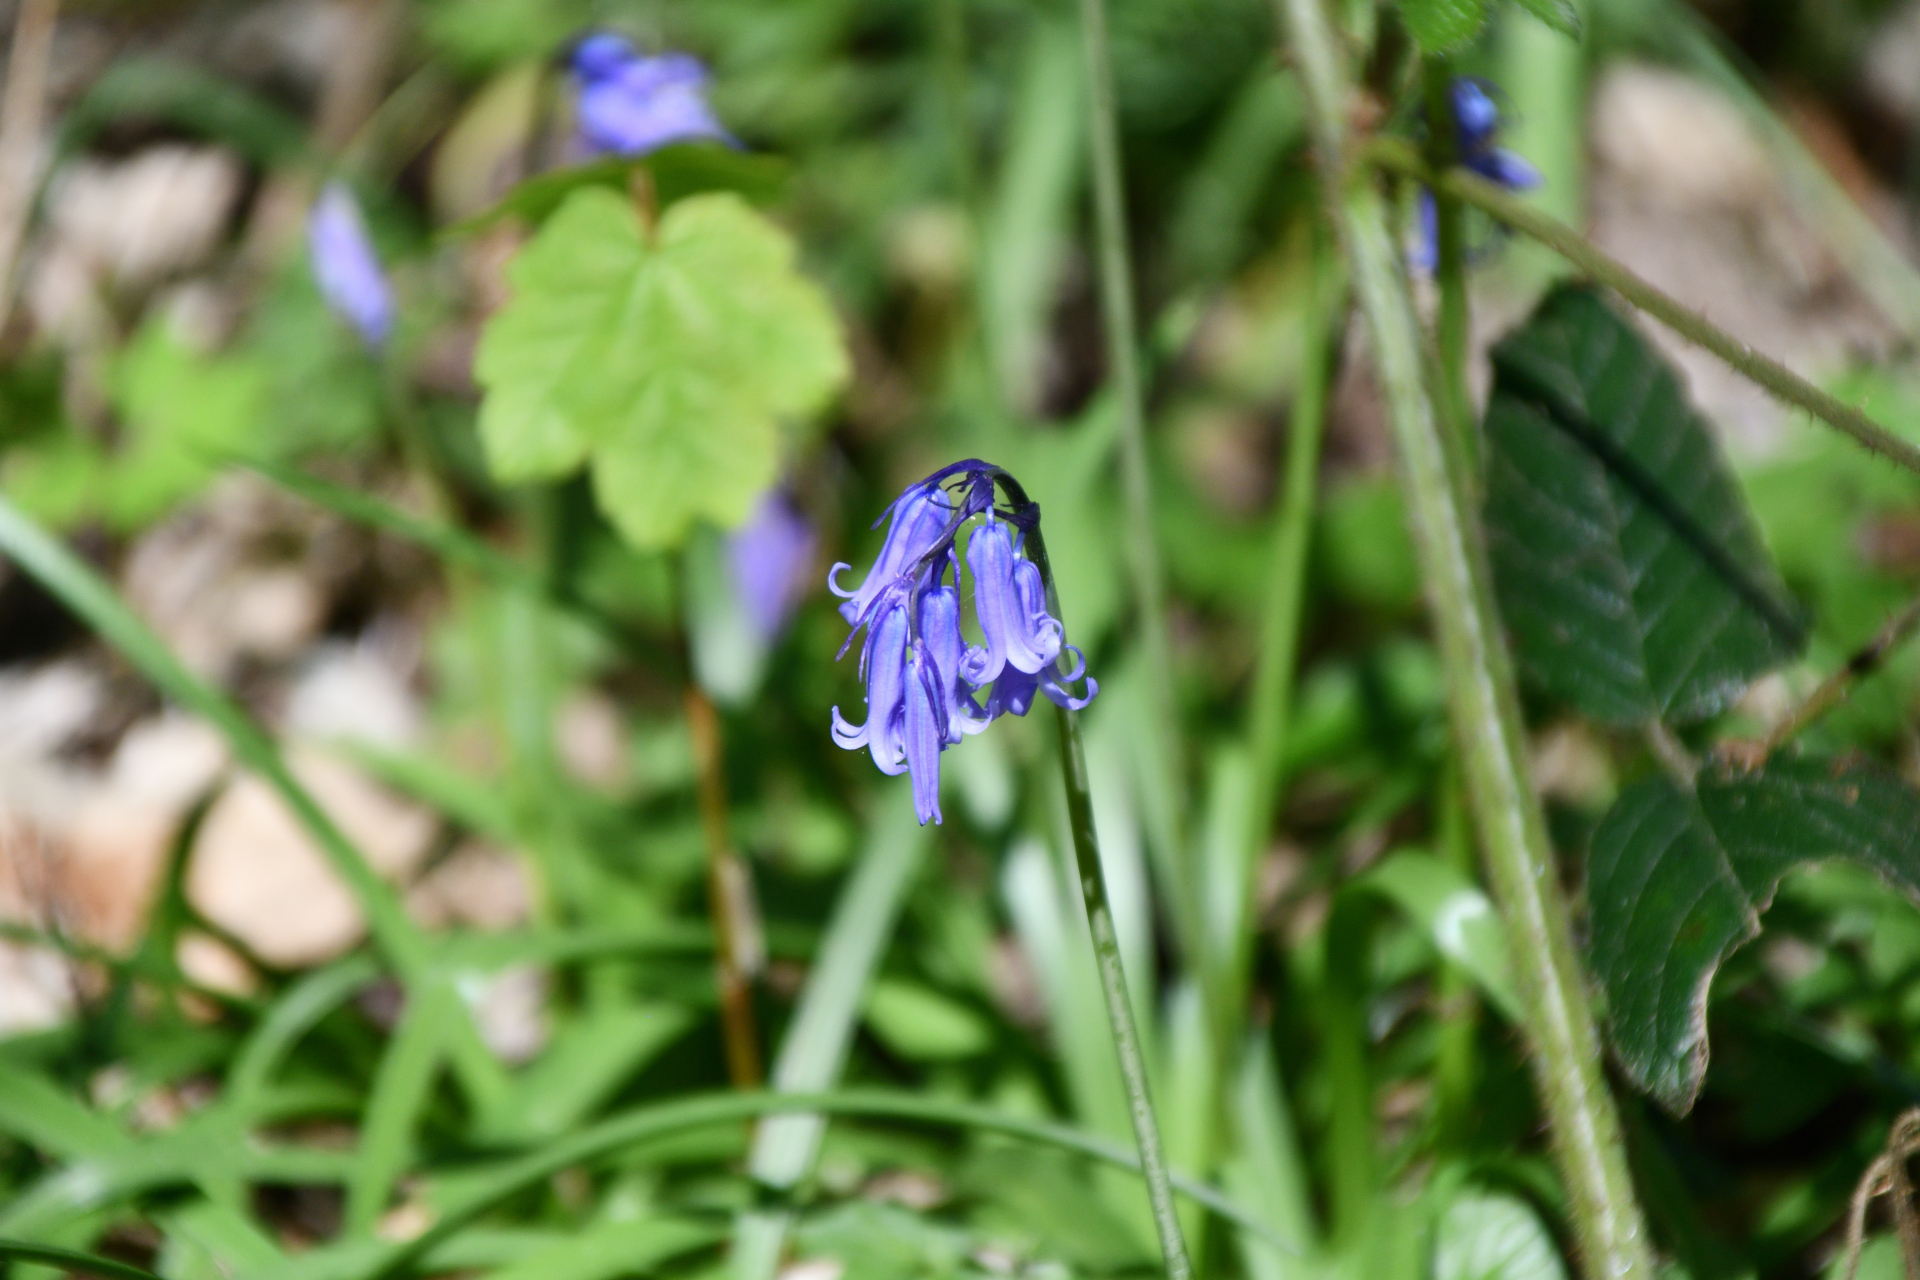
(1439,26)
(676,172)
(1558,14)
(1628,569)
(1677,879)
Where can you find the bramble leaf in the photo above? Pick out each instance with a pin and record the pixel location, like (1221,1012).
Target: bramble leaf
(666,360)
(1438,26)
(1629,572)
(1677,879)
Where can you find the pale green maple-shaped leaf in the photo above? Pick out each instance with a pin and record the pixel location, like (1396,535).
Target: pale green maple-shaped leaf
(665,361)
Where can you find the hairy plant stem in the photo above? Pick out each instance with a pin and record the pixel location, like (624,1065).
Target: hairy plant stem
(1106,945)
(1775,378)
(1123,357)
(1484,706)
(736,925)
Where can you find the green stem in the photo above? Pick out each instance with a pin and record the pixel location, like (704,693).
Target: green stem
(1123,354)
(1777,379)
(1280,620)
(1113,987)
(1106,944)
(1453,323)
(1483,704)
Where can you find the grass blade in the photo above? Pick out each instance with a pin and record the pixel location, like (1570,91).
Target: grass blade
(815,1048)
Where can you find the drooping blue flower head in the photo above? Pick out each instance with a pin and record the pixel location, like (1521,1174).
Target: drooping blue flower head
(1476,125)
(345,267)
(771,556)
(631,104)
(923,679)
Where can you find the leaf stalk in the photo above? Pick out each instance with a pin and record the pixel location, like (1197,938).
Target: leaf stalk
(1775,378)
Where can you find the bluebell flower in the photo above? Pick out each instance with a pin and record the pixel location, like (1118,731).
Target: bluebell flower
(771,556)
(345,267)
(631,103)
(1010,605)
(923,680)
(1476,131)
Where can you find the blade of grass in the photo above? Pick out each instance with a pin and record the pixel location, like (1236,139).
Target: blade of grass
(400,1091)
(303,1004)
(814,1050)
(483,1190)
(75,584)
(86,1264)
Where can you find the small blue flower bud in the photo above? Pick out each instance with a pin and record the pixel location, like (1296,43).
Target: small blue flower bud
(345,267)
(631,104)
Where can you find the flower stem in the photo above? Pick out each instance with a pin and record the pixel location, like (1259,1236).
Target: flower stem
(729,899)
(1123,355)
(1483,703)
(1113,988)
(1106,944)
(1774,377)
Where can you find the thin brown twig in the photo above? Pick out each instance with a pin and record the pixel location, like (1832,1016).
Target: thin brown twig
(21,114)
(1832,691)
(738,951)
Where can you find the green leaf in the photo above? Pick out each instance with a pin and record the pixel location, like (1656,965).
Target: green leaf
(665,359)
(1628,570)
(676,172)
(182,412)
(1558,14)
(1493,1237)
(1451,910)
(1438,26)
(919,1023)
(1677,879)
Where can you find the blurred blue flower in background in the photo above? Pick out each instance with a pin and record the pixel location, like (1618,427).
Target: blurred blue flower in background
(345,267)
(771,556)
(631,103)
(922,676)
(1476,123)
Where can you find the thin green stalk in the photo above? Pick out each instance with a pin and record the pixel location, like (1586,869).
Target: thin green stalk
(1113,987)
(1123,354)
(1281,619)
(1452,324)
(1455,1068)
(483,1189)
(814,1049)
(1782,383)
(1106,945)
(1484,706)
(67,1260)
